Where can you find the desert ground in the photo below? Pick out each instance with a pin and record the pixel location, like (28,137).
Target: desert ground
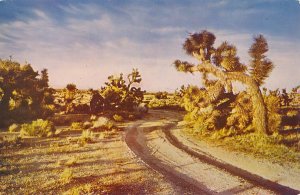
(139,158)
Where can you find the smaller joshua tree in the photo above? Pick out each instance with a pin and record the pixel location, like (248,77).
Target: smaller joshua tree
(224,64)
(70,93)
(119,94)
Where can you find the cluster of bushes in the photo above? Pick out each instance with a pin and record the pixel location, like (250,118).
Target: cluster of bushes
(171,104)
(39,128)
(227,114)
(24,93)
(117,95)
(102,125)
(163,100)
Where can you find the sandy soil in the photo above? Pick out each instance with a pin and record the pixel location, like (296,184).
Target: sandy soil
(155,149)
(284,174)
(105,166)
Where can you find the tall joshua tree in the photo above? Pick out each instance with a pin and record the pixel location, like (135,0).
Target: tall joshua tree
(223,63)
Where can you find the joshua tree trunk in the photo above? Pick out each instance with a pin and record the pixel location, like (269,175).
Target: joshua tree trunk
(259,107)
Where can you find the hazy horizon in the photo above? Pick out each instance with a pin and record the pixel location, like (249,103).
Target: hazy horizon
(83,42)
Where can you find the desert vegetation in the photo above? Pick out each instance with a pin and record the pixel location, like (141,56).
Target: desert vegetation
(24,93)
(72,140)
(249,119)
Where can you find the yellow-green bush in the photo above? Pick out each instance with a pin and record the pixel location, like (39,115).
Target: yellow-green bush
(87,136)
(14,128)
(274,118)
(118,118)
(77,125)
(40,128)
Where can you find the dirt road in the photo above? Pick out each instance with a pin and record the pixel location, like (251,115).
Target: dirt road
(196,173)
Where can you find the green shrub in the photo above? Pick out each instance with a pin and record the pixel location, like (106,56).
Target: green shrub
(14,128)
(118,118)
(40,128)
(274,118)
(76,125)
(87,136)
(172,104)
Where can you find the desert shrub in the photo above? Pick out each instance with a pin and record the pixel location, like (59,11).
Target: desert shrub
(118,118)
(77,125)
(14,128)
(24,93)
(172,104)
(221,134)
(157,103)
(274,118)
(40,128)
(161,95)
(241,114)
(87,136)
(67,175)
(101,124)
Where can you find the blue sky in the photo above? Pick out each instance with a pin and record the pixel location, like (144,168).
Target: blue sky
(84,41)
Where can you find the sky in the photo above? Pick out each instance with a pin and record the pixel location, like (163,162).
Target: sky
(85,41)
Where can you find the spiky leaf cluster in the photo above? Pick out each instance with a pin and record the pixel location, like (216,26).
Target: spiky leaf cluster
(183,66)
(226,56)
(200,44)
(261,67)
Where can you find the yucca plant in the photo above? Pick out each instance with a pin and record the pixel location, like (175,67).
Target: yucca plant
(223,64)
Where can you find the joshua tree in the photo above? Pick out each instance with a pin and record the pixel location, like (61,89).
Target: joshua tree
(119,94)
(222,63)
(70,92)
